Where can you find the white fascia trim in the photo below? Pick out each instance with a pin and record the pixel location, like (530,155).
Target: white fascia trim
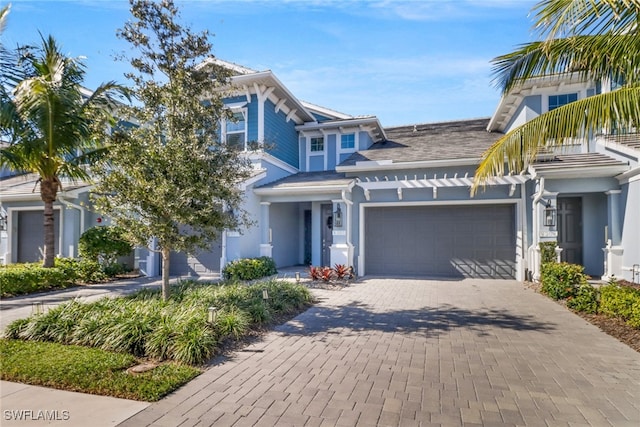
(588,171)
(325,111)
(274,161)
(26,197)
(629,176)
(620,148)
(380,165)
(439,182)
(334,124)
(246,79)
(302,190)
(244,184)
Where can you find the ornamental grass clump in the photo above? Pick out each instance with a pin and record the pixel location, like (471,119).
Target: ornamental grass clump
(178,329)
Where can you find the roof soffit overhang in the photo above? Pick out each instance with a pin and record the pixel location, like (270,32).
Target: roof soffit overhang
(368,124)
(509,102)
(245,84)
(307,190)
(585,172)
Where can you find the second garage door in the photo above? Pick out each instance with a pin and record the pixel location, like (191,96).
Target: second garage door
(449,241)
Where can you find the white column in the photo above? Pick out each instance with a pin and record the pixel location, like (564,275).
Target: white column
(613,216)
(339,248)
(266,248)
(613,235)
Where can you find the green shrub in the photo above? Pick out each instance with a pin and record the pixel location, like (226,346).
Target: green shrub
(104,245)
(585,299)
(250,268)
(28,278)
(84,270)
(622,302)
(561,280)
(548,252)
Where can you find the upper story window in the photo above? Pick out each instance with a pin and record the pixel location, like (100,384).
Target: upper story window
(348,141)
(236,131)
(556,101)
(317,144)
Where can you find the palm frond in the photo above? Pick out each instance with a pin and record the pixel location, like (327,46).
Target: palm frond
(563,18)
(613,112)
(593,57)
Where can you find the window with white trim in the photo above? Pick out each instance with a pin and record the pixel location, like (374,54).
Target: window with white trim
(317,144)
(236,131)
(556,101)
(348,141)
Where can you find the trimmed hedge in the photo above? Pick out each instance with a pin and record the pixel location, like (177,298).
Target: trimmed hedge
(622,302)
(29,278)
(561,280)
(250,268)
(18,279)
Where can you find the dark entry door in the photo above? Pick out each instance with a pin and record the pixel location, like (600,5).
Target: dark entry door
(570,229)
(327,233)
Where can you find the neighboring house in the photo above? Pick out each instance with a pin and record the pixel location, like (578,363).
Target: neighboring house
(329,188)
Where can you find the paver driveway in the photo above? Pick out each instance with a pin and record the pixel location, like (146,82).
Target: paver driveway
(419,352)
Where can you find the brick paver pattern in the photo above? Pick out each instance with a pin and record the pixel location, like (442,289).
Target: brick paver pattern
(408,352)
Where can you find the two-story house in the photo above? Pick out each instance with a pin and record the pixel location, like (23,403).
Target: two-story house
(329,188)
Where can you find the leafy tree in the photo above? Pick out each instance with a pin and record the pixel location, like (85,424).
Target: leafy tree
(593,39)
(170,181)
(104,244)
(50,124)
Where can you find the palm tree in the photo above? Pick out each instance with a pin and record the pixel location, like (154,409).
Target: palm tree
(590,39)
(50,124)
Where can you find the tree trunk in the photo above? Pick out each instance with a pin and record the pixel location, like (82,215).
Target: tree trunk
(48,192)
(166,252)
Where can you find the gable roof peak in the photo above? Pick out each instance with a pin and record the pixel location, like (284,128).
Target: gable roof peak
(236,68)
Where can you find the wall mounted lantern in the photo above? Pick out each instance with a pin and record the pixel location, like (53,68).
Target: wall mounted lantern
(3,222)
(337,217)
(549,215)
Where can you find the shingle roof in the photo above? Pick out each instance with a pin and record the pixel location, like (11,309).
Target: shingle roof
(309,179)
(28,184)
(463,139)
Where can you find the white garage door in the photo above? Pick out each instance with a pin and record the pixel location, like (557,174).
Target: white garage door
(448,241)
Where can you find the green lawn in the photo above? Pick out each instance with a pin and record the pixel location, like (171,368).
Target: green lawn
(88,370)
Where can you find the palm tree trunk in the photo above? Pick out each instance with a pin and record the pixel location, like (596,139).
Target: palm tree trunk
(48,192)
(166,252)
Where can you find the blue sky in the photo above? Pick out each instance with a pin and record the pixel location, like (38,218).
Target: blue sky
(406,62)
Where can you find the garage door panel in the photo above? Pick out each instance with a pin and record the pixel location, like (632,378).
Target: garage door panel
(452,241)
(202,262)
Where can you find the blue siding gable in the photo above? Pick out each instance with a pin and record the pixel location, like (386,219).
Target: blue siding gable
(281,137)
(330,140)
(320,118)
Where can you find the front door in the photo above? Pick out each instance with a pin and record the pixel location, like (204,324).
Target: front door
(570,229)
(327,233)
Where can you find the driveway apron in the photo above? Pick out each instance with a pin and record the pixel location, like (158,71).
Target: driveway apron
(409,352)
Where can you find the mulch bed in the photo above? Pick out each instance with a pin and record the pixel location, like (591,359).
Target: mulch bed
(609,325)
